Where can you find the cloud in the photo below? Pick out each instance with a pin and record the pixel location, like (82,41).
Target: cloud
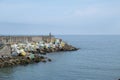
(90,11)
(97,11)
(37,12)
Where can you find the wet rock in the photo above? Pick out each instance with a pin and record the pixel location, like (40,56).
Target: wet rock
(43,52)
(43,60)
(20,60)
(6,64)
(1,65)
(69,48)
(37,59)
(42,57)
(49,60)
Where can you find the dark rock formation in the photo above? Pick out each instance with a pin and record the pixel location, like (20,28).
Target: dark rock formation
(20,60)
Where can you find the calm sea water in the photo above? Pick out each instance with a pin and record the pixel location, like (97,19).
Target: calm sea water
(98,59)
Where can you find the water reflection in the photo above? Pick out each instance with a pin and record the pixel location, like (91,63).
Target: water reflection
(5,73)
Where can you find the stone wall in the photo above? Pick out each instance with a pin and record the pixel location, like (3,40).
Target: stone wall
(14,39)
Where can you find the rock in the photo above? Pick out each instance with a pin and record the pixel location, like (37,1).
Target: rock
(1,65)
(37,59)
(49,60)
(20,60)
(42,57)
(43,60)
(6,64)
(69,48)
(43,52)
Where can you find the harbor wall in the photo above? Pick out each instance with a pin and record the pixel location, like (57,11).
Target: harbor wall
(14,39)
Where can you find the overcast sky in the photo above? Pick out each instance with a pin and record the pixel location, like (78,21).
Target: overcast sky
(59,17)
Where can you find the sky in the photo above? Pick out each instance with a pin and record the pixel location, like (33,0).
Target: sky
(60,17)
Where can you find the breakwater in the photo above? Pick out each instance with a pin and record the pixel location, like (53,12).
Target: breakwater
(31,52)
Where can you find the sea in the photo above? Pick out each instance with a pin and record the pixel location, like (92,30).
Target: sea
(97,59)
